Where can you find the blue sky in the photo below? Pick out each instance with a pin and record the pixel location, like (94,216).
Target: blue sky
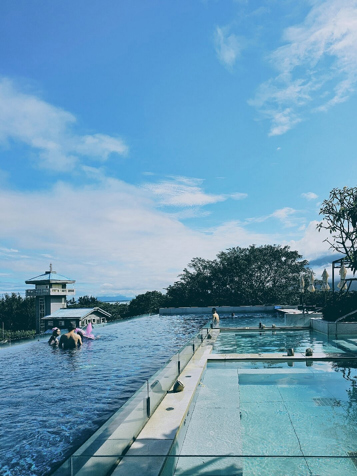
(137,135)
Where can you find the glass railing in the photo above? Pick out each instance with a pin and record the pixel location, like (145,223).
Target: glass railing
(105,447)
(210,464)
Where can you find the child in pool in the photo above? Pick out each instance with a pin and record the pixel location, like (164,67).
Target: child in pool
(53,340)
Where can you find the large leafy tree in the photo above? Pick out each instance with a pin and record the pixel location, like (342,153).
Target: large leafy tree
(17,313)
(340,219)
(240,276)
(150,302)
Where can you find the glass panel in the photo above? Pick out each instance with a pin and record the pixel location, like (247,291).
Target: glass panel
(161,382)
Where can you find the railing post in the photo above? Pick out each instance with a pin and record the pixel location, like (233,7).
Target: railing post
(148,399)
(178,365)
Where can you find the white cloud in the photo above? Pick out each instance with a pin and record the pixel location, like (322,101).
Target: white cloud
(287,217)
(228,47)
(317,66)
(49,130)
(109,233)
(310,196)
(238,196)
(312,244)
(182,192)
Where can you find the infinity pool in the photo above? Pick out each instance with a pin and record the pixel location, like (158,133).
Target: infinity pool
(273,418)
(53,400)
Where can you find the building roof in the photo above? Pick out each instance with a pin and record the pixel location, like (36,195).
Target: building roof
(49,277)
(76,313)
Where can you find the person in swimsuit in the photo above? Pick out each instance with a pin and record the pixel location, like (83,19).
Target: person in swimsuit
(71,340)
(54,337)
(215,316)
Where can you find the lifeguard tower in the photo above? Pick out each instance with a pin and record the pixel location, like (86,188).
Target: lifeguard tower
(50,292)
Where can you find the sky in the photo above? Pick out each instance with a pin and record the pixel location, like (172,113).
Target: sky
(136,135)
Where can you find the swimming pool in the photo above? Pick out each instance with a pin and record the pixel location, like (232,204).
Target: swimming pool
(53,400)
(270,341)
(273,418)
(251,319)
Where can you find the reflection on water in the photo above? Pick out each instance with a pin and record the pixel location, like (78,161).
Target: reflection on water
(53,400)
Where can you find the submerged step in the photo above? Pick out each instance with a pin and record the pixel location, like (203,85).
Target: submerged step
(343,344)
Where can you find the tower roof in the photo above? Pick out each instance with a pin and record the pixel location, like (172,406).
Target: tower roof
(50,277)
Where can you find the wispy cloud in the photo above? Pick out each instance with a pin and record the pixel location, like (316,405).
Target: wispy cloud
(287,216)
(317,66)
(238,196)
(186,192)
(228,46)
(50,131)
(309,196)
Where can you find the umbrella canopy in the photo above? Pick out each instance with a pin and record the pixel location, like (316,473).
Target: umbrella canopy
(311,287)
(302,283)
(325,286)
(342,283)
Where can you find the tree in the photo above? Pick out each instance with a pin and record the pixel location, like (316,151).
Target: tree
(17,313)
(340,219)
(240,276)
(150,302)
(88,301)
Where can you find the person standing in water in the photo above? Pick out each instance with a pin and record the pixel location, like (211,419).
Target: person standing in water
(53,340)
(71,340)
(215,316)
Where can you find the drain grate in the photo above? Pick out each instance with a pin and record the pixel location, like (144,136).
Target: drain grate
(327,402)
(353,456)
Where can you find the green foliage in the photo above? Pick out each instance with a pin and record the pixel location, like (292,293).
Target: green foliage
(117,310)
(16,335)
(342,305)
(150,302)
(240,276)
(340,219)
(17,313)
(88,301)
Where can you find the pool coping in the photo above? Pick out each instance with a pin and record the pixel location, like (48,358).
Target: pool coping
(263,329)
(277,356)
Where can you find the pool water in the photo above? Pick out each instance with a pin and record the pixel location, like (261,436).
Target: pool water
(52,400)
(273,418)
(250,319)
(247,342)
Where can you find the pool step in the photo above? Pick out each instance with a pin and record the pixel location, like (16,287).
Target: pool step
(345,345)
(353,341)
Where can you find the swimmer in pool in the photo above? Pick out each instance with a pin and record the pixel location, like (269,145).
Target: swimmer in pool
(71,340)
(54,337)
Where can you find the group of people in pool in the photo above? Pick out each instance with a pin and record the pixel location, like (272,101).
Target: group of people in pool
(71,340)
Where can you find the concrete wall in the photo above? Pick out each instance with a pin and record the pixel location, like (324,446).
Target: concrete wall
(167,311)
(333,329)
(297,320)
